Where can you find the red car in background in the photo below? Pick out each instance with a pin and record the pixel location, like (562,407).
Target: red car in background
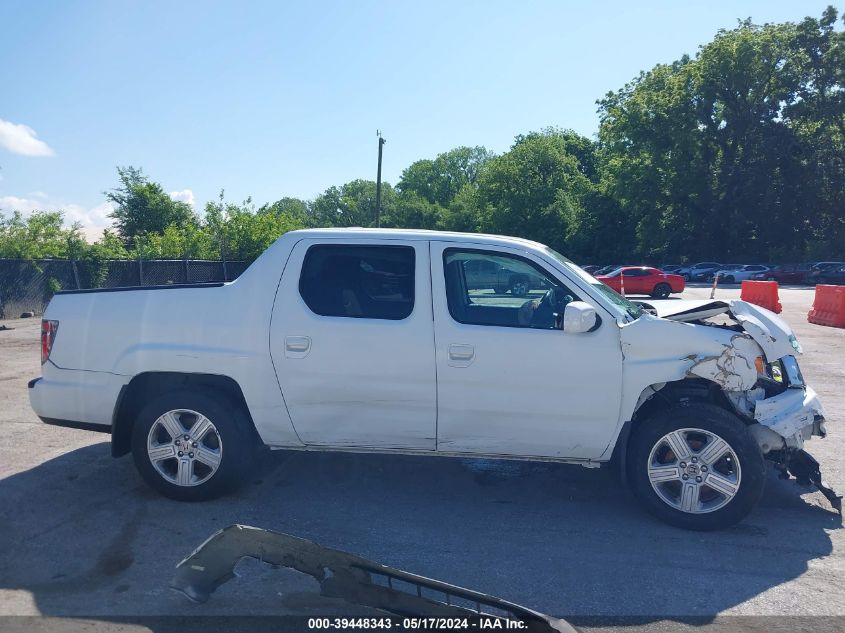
(785,274)
(643,280)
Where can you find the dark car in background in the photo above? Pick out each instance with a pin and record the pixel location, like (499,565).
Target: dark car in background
(831,275)
(821,271)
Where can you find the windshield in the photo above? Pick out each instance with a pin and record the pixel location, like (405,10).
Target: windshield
(627,307)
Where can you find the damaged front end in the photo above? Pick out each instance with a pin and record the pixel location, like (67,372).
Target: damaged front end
(759,375)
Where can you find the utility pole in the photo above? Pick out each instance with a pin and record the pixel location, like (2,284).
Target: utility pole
(381,143)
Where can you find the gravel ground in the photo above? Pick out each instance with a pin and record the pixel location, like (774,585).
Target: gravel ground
(83,536)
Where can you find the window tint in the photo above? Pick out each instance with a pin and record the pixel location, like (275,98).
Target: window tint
(368,282)
(635,272)
(492,288)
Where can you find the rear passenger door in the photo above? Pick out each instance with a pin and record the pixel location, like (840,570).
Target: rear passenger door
(352,340)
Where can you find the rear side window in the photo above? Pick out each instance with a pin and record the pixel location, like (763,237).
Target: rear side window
(365,282)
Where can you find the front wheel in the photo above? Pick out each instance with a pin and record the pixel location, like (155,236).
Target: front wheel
(696,467)
(192,445)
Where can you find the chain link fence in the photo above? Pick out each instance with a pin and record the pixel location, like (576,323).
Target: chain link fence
(28,285)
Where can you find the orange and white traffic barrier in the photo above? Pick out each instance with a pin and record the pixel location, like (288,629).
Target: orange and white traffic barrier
(828,306)
(761,293)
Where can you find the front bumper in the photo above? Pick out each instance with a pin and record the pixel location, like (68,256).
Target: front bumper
(796,415)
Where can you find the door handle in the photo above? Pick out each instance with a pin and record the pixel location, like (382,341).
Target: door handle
(297,346)
(461,355)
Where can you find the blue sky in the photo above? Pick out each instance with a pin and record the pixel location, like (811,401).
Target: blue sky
(268,99)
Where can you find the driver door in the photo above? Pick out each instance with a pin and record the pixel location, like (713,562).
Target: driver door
(509,382)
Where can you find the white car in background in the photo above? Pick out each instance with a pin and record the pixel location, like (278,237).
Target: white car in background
(732,275)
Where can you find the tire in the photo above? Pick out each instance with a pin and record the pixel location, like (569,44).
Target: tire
(700,425)
(729,279)
(686,276)
(661,291)
(226,437)
(771,279)
(519,287)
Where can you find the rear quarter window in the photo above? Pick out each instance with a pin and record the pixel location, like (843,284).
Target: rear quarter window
(365,282)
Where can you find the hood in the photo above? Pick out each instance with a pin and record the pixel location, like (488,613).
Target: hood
(767,329)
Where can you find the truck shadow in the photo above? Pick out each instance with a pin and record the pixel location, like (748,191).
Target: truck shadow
(83,536)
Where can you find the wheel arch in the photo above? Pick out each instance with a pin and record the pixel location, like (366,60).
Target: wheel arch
(146,386)
(656,397)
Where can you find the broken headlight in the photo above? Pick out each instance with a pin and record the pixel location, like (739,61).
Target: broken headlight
(784,371)
(789,366)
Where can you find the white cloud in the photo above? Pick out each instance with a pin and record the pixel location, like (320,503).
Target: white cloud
(22,139)
(186,195)
(93,220)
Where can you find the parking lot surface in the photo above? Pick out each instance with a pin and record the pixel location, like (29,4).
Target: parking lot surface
(81,535)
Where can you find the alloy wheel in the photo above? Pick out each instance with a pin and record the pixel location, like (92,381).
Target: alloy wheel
(184,447)
(694,471)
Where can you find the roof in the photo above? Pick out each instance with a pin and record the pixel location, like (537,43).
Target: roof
(415,234)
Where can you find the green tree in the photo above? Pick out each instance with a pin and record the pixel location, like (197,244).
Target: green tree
(41,235)
(143,207)
(240,232)
(733,154)
(352,204)
(412,211)
(440,180)
(535,190)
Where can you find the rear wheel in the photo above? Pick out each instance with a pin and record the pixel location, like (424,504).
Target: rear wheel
(661,291)
(192,446)
(696,466)
(729,279)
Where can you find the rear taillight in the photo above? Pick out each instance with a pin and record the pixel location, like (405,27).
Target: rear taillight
(48,335)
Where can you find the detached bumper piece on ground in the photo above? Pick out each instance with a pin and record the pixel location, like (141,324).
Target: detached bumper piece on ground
(805,469)
(345,576)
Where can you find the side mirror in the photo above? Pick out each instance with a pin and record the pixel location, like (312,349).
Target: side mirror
(579,317)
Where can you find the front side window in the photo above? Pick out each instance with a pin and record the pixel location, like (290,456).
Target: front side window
(365,282)
(493,288)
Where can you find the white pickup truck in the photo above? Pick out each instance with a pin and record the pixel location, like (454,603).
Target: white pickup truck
(372,340)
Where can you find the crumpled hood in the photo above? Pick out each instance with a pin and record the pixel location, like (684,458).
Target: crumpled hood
(767,329)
